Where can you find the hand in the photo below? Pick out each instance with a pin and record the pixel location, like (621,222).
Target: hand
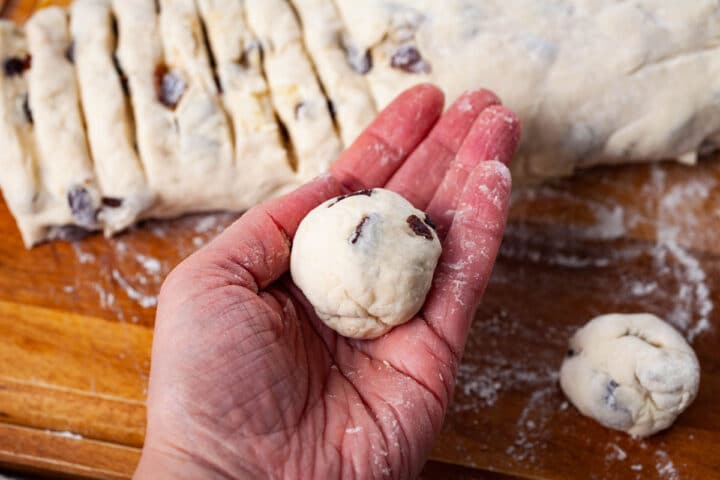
(246,382)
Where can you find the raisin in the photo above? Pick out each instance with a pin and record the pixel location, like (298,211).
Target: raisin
(358,229)
(112,202)
(419,228)
(169,86)
(70,52)
(429,222)
(361,62)
(609,397)
(298,109)
(408,59)
(26,109)
(367,193)
(16,65)
(81,206)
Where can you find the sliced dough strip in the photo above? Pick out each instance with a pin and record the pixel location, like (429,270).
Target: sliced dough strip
(296,94)
(183,134)
(64,163)
(206,151)
(387,35)
(140,54)
(18,155)
(260,158)
(109,127)
(341,67)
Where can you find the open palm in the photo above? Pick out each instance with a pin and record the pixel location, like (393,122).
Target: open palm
(246,382)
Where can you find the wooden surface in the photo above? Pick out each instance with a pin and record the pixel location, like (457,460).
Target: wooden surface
(76,328)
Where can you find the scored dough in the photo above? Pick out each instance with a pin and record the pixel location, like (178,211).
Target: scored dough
(340,68)
(63,159)
(139,54)
(633,373)
(296,93)
(110,129)
(260,158)
(204,150)
(365,261)
(20,184)
(592,81)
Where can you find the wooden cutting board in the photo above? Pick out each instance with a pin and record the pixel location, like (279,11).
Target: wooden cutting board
(76,329)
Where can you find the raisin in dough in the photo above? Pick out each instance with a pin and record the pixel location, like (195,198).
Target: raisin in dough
(365,261)
(110,129)
(340,68)
(21,186)
(182,132)
(64,163)
(633,373)
(262,163)
(592,81)
(296,93)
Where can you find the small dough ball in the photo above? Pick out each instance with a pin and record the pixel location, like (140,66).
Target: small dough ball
(365,261)
(633,373)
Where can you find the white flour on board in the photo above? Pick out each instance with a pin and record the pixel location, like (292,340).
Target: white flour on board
(65,434)
(144,284)
(672,271)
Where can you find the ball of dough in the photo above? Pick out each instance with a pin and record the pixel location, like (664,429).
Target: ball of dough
(365,261)
(633,373)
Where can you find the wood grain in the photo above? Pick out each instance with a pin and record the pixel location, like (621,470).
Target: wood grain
(76,327)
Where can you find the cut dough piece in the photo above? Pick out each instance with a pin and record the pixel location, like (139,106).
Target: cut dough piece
(365,261)
(64,163)
(110,129)
(182,131)
(633,373)
(593,82)
(341,68)
(205,151)
(296,93)
(140,55)
(263,167)
(18,156)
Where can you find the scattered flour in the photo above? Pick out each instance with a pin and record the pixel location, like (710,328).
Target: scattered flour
(206,223)
(665,467)
(151,265)
(83,257)
(672,283)
(616,453)
(145,301)
(65,434)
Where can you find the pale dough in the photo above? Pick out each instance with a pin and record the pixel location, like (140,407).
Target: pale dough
(110,129)
(293,81)
(300,103)
(340,68)
(63,160)
(365,261)
(633,373)
(262,163)
(592,81)
(18,161)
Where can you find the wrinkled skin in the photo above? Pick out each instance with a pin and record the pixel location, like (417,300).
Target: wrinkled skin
(246,382)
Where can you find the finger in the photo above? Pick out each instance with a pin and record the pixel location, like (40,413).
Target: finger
(419,177)
(255,250)
(378,152)
(469,253)
(493,136)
